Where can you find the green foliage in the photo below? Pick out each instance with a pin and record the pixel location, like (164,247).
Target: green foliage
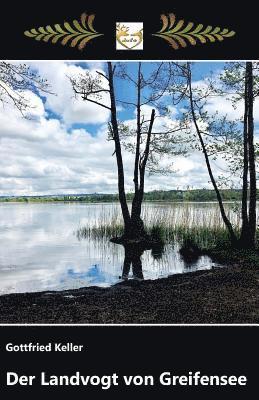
(199,195)
(192,195)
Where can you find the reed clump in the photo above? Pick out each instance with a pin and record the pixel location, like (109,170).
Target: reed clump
(170,222)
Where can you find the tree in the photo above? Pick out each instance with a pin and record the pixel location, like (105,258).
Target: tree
(243,79)
(194,107)
(250,241)
(142,138)
(219,136)
(15,80)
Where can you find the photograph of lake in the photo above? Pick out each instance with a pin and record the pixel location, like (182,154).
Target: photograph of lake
(50,253)
(128,192)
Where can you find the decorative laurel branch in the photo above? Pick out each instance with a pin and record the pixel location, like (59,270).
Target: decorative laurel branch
(179,34)
(78,34)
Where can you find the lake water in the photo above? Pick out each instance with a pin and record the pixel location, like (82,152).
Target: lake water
(40,249)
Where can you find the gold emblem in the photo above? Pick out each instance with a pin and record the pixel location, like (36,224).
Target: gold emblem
(129,36)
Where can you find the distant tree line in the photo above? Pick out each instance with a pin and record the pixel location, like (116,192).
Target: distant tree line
(156,195)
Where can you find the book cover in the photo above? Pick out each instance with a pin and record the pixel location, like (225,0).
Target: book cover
(128,199)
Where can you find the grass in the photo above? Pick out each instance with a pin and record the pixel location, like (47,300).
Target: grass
(200,223)
(100,231)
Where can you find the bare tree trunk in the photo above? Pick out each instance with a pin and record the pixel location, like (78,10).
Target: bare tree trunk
(226,221)
(143,161)
(138,133)
(120,169)
(137,223)
(245,223)
(136,214)
(251,156)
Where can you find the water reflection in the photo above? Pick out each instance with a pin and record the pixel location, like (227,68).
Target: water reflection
(157,251)
(40,251)
(190,254)
(190,262)
(132,257)
(93,273)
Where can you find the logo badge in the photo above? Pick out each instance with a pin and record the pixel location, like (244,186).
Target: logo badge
(129,36)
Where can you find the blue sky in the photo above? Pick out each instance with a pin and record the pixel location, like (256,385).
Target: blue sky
(126,91)
(64,148)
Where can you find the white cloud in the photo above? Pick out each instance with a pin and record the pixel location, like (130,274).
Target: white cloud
(44,156)
(41,157)
(223,104)
(224,107)
(63,102)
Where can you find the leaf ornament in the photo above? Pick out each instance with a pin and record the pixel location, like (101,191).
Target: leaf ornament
(76,34)
(179,33)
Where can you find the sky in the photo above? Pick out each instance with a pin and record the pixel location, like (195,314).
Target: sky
(63,148)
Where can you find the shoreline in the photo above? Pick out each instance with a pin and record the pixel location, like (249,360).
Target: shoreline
(221,295)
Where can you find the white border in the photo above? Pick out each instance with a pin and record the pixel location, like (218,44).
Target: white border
(123,325)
